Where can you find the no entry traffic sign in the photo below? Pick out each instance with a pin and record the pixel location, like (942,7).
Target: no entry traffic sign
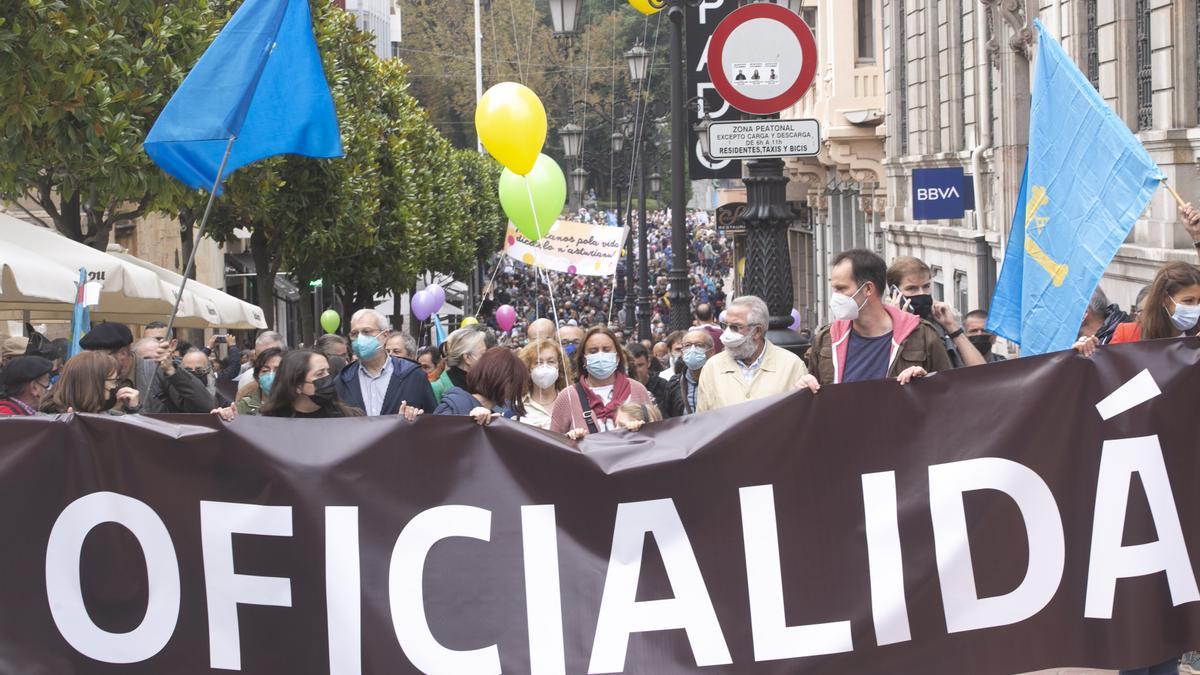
(762,58)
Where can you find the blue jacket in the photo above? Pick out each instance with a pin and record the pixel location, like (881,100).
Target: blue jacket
(456,401)
(408,384)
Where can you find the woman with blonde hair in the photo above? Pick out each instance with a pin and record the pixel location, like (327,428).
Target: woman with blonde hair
(90,383)
(462,349)
(547,375)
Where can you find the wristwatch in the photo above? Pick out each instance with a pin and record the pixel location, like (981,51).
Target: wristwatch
(955,333)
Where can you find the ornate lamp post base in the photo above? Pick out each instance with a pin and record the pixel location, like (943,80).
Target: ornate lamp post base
(768,264)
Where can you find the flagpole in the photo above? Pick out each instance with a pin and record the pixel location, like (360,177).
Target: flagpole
(1178,199)
(191,263)
(478,69)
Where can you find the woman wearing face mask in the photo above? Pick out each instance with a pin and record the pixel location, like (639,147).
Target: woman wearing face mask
(251,396)
(302,387)
(602,389)
(547,378)
(90,384)
(1171,309)
(462,350)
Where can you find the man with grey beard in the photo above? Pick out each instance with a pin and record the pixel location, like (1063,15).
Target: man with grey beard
(750,367)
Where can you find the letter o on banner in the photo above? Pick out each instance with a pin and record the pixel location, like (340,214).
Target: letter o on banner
(65,593)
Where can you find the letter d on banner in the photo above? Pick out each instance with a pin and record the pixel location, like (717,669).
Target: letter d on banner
(965,610)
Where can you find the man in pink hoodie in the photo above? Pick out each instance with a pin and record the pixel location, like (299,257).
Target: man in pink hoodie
(869,339)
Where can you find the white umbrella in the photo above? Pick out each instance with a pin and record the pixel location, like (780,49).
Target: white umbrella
(217,308)
(38,265)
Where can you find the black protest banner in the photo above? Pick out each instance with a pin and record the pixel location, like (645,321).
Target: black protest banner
(1001,519)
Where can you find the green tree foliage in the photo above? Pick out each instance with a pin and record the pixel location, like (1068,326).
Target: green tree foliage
(81,83)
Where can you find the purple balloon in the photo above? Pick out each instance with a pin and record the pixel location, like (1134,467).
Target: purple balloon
(438,294)
(795,320)
(506,316)
(422,305)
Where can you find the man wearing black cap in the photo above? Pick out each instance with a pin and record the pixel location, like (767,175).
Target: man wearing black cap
(23,383)
(163,386)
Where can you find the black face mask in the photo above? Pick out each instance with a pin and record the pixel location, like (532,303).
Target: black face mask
(921,305)
(111,402)
(201,373)
(983,343)
(326,391)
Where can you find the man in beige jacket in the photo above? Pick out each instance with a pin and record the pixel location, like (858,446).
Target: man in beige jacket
(750,367)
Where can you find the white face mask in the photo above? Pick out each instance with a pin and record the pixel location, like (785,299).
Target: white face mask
(544,376)
(1185,316)
(843,307)
(733,339)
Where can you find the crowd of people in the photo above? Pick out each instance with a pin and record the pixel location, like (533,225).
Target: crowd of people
(586,301)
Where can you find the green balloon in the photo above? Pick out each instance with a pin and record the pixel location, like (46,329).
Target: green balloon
(330,321)
(533,202)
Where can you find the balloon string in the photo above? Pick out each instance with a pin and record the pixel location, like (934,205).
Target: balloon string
(540,269)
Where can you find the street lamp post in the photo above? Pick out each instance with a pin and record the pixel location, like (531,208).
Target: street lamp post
(639,63)
(572,140)
(564,14)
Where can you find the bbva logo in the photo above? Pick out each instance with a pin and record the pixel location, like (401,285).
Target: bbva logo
(935,193)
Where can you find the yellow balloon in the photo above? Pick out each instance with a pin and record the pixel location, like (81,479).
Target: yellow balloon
(469,321)
(644,6)
(511,123)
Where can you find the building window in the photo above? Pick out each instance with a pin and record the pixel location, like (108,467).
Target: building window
(1093,45)
(1145,71)
(961,302)
(939,287)
(962,76)
(866,31)
(902,75)
(809,16)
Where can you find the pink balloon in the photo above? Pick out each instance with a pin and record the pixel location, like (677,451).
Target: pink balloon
(506,316)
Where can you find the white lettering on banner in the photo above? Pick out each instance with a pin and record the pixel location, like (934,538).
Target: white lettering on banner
(889,608)
(965,610)
(543,593)
(225,589)
(406,580)
(1109,560)
(65,593)
(934,194)
(773,638)
(620,614)
(343,590)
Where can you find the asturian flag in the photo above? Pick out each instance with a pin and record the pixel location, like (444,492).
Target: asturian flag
(1087,181)
(260,82)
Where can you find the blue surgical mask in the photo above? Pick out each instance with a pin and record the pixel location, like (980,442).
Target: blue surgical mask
(602,365)
(264,383)
(694,358)
(366,347)
(570,348)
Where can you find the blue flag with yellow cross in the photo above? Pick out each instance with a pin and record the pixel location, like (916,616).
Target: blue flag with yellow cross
(1087,181)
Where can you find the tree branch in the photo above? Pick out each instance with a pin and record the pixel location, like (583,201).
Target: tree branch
(30,214)
(136,213)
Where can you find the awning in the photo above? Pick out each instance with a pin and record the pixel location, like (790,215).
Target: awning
(41,267)
(222,310)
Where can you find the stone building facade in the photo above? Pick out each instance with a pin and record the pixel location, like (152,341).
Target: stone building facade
(952,101)
(838,195)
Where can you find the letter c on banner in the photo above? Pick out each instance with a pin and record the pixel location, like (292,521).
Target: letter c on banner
(407,596)
(65,593)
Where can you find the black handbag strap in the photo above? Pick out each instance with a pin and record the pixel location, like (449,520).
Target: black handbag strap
(588,417)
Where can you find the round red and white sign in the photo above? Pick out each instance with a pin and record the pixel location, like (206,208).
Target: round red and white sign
(762,58)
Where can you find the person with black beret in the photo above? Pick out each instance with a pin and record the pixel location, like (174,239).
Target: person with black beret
(24,382)
(163,386)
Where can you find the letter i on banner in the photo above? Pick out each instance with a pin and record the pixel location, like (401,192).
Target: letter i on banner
(343,592)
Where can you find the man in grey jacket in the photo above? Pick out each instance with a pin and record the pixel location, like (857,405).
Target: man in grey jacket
(163,386)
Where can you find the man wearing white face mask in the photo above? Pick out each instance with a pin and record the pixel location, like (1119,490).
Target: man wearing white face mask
(869,339)
(750,367)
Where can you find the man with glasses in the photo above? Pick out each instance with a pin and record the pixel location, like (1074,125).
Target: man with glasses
(750,367)
(378,382)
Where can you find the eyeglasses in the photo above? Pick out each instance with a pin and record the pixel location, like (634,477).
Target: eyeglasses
(367,332)
(737,327)
(572,342)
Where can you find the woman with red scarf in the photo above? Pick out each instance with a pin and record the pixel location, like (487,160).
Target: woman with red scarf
(591,405)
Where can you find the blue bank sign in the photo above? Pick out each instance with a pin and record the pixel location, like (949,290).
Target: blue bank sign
(941,194)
